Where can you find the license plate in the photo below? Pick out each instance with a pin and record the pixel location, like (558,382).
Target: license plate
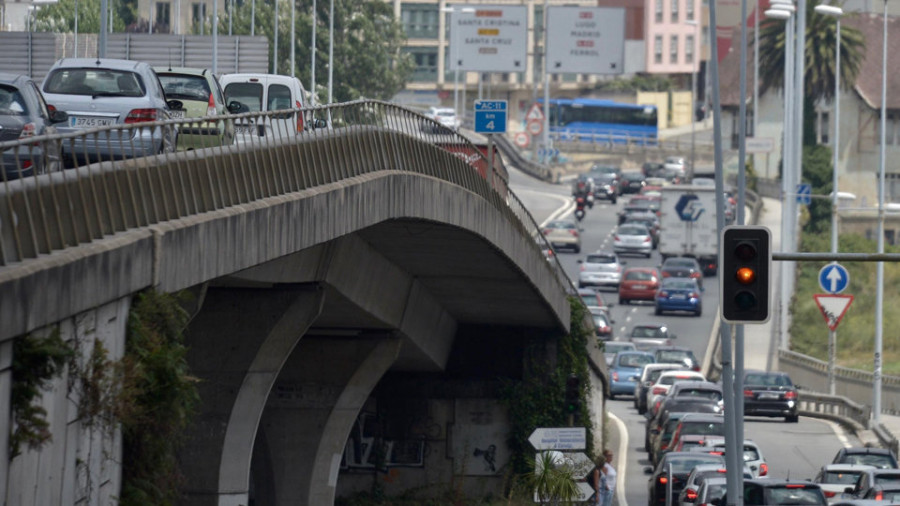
(176,114)
(768,396)
(90,122)
(244,129)
(677,296)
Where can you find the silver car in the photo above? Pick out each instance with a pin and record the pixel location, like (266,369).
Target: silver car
(634,239)
(24,114)
(600,269)
(104,92)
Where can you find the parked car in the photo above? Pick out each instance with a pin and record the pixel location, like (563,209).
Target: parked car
(679,294)
(682,267)
(836,479)
(638,283)
(611,348)
(680,355)
(24,114)
(632,182)
(772,394)
(107,92)
(563,234)
(648,335)
(626,371)
(783,492)
(603,323)
(633,239)
(882,458)
(445,117)
(201,96)
(266,93)
(671,473)
(600,269)
(649,374)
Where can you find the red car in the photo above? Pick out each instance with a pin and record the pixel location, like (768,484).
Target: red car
(638,283)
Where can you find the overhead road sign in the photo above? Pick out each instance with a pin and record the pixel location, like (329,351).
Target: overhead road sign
(804,194)
(833,308)
(585,40)
(834,278)
(558,438)
(494,38)
(490,116)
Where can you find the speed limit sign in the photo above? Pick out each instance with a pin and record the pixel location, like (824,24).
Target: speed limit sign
(522,139)
(535,127)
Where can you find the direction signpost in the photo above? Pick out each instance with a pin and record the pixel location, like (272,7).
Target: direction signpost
(833,278)
(492,39)
(490,119)
(564,445)
(559,438)
(586,40)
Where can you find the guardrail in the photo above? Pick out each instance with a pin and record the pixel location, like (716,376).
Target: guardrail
(137,179)
(515,157)
(624,144)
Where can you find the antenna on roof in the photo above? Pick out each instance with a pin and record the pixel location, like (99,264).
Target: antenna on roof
(170,58)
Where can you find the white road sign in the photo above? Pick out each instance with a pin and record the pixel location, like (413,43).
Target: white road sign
(558,438)
(535,113)
(586,40)
(833,308)
(494,38)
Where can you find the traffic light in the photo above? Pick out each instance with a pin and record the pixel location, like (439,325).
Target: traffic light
(573,394)
(745,274)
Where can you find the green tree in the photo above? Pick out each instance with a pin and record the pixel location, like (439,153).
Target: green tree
(368,45)
(60,17)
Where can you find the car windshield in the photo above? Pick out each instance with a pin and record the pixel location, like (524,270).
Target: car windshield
(590,299)
(600,321)
(678,262)
(870,459)
(678,284)
(638,276)
(715,493)
(568,225)
(185,86)
(684,465)
(600,259)
(647,332)
(635,361)
(767,380)
(702,428)
(674,356)
(617,347)
(95,82)
(249,95)
(885,478)
(633,230)
(840,477)
(699,393)
(12,103)
(785,495)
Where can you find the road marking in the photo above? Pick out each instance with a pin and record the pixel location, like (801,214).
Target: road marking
(623,462)
(567,205)
(839,433)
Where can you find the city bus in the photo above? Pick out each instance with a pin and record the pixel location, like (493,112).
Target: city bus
(606,121)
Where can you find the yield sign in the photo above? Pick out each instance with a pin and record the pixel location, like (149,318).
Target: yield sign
(833,307)
(535,113)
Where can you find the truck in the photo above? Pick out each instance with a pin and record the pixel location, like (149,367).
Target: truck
(687,224)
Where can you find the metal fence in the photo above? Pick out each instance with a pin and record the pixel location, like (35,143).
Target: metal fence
(135,178)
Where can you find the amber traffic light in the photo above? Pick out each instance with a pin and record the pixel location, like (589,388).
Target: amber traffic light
(746,260)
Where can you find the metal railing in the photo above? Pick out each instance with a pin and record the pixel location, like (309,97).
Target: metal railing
(614,143)
(64,190)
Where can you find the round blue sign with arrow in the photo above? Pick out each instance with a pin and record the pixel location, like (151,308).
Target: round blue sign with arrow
(834,278)
(689,207)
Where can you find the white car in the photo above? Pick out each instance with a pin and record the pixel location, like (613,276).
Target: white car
(634,239)
(600,269)
(664,382)
(835,479)
(753,456)
(445,116)
(264,93)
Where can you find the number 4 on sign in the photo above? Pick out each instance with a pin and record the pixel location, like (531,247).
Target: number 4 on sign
(833,308)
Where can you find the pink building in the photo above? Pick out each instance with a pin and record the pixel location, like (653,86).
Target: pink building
(673,35)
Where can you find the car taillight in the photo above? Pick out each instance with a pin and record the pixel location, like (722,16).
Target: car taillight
(663,293)
(299,121)
(615,376)
(829,493)
(717,453)
(800,485)
(666,274)
(763,469)
(616,238)
(51,108)
(694,295)
(748,393)
(696,368)
(790,395)
(690,495)
(647,239)
(547,231)
(574,233)
(695,274)
(663,480)
(879,496)
(659,390)
(211,106)
(28,130)
(141,116)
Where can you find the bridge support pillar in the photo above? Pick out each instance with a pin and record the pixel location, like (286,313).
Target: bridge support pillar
(310,415)
(239,342)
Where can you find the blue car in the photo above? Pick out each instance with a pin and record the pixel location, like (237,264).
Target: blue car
(679,294)
(626,371)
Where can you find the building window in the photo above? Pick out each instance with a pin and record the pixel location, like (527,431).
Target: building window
(689,10)
(420,21)
(890,130)
(675,11)
(704,34)
(426,59)
(659,11)
(673,49)
(892,187)
(689,49)
(824,126)
(162,18)
(198,17)
(657,49)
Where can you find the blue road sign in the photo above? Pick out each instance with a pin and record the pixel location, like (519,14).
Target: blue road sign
(804,194)
(689,207)
(834,278)
(490,116)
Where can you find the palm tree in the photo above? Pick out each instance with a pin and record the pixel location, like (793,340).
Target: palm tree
(820,46)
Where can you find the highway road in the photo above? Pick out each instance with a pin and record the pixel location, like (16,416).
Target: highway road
(794,451)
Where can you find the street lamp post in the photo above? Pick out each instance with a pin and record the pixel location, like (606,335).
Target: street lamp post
(836,12)
(879,273)
(694,52)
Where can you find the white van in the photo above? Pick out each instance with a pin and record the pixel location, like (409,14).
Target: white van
(265,92)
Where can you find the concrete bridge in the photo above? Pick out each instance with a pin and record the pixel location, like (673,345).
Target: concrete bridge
(361,271)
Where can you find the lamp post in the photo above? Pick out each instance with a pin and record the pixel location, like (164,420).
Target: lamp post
(879,273)
(330,50)
(836,12)
(694,51)
(454,33)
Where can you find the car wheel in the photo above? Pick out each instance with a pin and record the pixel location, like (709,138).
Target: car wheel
(613,200)
(623,301)
(612,396)
(580,285)
(657,311)
(792,418)
(577,249)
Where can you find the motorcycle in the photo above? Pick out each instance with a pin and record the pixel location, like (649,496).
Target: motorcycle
(579,208)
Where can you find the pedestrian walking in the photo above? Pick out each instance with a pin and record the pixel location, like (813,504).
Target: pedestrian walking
(607,480)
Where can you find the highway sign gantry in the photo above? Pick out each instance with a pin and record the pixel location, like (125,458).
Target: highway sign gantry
(834,278)
(585,40)
(493,38)
(558,438)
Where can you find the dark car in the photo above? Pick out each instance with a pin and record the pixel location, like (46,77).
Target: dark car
(771,394)
(598,169)
(872,476)
(680,465)
(24,114)
(631,182)
(603,323)
(606,187)
(877,457)
(889,493)
(770,491)
(661,427)
(698,424)
(635,206)
(677,355)
(653,169)
(682,267)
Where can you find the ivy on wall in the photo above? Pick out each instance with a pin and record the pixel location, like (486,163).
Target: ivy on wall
(538,400)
